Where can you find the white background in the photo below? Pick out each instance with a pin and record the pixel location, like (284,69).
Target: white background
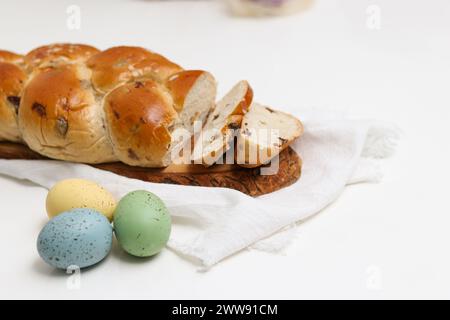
(387,240)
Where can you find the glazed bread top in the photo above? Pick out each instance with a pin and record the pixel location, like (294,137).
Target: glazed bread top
(140,115)
(58,54)
(121,64)
(59,116)
(73,102)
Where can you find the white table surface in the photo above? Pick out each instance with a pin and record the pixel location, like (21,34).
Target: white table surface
(387,240)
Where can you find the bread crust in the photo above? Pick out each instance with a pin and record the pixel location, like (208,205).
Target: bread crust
(140,115)
(8,56)
(58,54)
(60,118)
(179,85)
(12,79)
(243,107)
(119,65)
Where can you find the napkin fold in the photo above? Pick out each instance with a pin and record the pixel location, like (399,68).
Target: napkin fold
(210,224)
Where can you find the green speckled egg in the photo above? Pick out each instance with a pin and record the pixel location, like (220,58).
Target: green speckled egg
(142,224)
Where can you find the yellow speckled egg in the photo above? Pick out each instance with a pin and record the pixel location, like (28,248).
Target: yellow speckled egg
(78,193)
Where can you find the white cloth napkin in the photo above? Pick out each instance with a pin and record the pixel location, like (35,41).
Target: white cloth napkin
(210,224)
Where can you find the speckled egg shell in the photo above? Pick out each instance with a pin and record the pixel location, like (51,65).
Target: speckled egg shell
(142,224)
(79,193)
(80,237)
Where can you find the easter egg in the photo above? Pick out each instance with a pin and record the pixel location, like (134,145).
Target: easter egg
(78,193)
(142,224)
(80,237)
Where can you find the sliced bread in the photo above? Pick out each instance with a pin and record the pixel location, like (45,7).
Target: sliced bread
(264,133)
(222,125)
(194,95)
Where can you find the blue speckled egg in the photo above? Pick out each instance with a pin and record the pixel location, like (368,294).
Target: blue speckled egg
(79,237)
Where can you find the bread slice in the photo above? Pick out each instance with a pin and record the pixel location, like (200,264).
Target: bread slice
(222,125)
(264,133)
(194,95)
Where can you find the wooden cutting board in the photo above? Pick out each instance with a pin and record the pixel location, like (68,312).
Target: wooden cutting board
(249,181)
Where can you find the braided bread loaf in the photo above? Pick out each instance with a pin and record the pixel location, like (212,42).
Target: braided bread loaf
(73,102)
